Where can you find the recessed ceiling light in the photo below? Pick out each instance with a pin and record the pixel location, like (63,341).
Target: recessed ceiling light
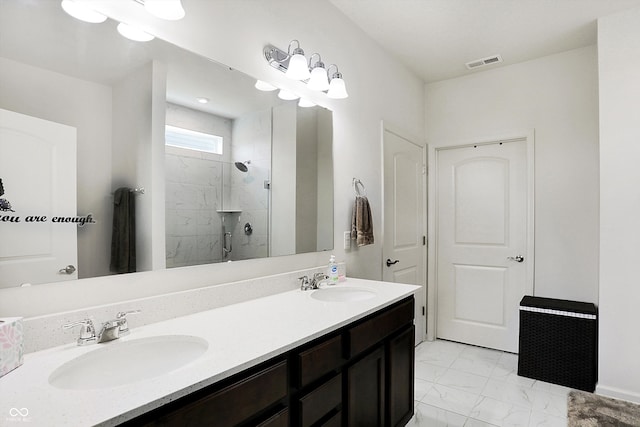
(134,33)
(203,100)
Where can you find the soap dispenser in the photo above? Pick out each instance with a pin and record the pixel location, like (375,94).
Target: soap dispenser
(333,270)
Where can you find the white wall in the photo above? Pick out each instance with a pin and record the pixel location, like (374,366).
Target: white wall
(558,97)
(619,71)
(235,33)
(138,134)
(87,107)
(282,234)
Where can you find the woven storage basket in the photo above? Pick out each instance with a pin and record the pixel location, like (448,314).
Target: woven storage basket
(558,342)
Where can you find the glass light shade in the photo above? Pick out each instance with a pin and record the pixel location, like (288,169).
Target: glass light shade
(319,79)
(337,89)
(171,10)
(286,95)
(305,103)
(134,33)
(298,69)
(264,86)
(82,12)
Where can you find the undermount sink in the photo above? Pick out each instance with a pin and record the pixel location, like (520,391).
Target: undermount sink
(339,293)
(123,362)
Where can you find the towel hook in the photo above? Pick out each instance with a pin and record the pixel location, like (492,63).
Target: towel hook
(360,193)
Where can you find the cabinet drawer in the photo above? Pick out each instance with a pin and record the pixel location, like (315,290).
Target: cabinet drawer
(321,401)
(281,419)
(374,330)
(235,403)
(335,421)
(320,360)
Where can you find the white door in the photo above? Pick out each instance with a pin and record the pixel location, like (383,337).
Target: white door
(38,172)
(404,255)
(484,220)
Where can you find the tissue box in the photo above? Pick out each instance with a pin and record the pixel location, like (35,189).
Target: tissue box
(11,344)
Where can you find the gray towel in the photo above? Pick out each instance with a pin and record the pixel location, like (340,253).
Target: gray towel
(123,236)
(361,222)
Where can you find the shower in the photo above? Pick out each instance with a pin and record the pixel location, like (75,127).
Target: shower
(242,166)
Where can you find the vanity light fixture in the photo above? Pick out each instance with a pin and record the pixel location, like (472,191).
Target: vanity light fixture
(82,12)
(337,88)
(298,68)
(286,95)
(318,78)
(170,10)
(264,86)
(134,33)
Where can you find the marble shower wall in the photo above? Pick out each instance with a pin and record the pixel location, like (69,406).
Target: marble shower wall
(251,141)
(194,194)
(202,189)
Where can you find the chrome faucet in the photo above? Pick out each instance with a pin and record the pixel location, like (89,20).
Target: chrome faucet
(115,328)
(313,283)
(111,330)
(317,279)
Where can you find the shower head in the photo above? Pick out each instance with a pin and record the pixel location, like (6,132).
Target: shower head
(242,166)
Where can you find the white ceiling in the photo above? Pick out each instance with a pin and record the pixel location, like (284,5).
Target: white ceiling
(435,38)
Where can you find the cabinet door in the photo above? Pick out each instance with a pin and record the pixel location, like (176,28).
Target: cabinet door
(366,391)
(400,366)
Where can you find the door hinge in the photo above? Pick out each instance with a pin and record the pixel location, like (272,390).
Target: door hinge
(424,169)
(423,310)
(424,240)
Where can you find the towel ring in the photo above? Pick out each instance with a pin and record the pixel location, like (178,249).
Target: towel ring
(363,191)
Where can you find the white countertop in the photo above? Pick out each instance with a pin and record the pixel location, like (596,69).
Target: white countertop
(239,336)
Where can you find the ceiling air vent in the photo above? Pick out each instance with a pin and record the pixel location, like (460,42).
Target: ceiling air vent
(494,59)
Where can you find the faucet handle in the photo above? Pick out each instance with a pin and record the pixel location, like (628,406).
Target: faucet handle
(123,328)
(87,331)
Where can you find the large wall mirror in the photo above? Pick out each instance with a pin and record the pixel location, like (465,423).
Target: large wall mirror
(130,127)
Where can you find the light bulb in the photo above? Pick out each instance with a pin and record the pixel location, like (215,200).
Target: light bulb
(264,86)
(286,95)
(134,33)
(171,10)
(319,79)
(298,69)
(82,12)
(337,89)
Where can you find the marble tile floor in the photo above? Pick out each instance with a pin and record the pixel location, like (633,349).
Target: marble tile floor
(466,386)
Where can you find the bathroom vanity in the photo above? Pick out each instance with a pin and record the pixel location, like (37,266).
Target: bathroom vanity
(296,358)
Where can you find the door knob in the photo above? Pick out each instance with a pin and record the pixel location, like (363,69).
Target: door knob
(390,263)
(69,269)
(517,258)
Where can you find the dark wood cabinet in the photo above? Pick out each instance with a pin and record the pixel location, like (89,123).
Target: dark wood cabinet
(359,375)
(400,374)
(366,391)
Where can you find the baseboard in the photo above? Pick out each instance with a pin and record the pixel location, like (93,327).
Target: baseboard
(617,393)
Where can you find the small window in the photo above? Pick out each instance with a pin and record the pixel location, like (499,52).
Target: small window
(192,140)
